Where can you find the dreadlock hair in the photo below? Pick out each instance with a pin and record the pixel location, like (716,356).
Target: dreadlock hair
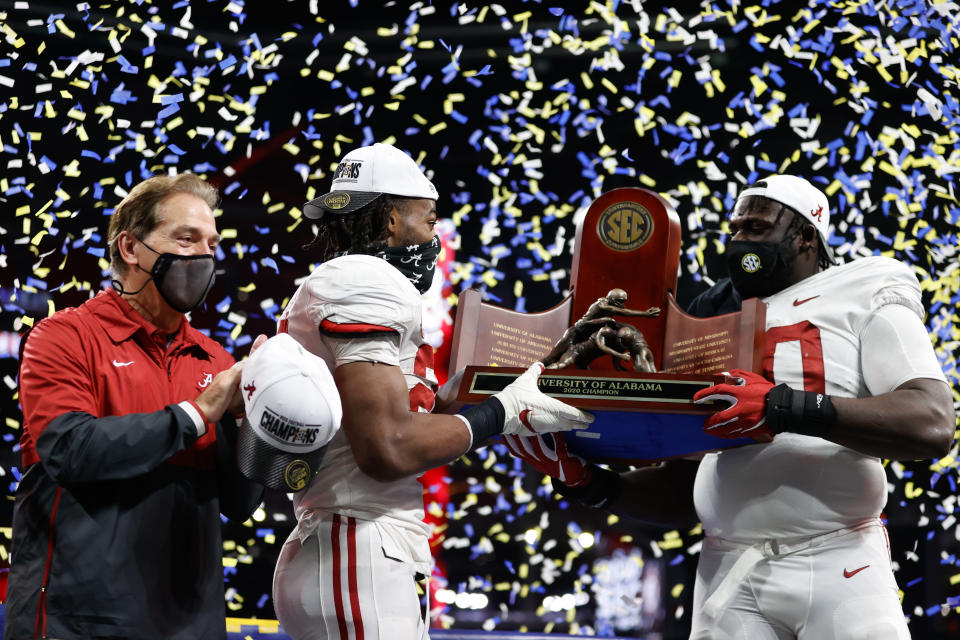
(794,229)
(363,231)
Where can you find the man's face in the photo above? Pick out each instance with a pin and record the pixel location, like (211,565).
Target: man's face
(413,224)
(759,219)
(186,228)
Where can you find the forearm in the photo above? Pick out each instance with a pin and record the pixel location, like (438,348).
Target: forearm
(910,423)
(616,354)
(390,441)
(79,447)
(411,444)
(903,420)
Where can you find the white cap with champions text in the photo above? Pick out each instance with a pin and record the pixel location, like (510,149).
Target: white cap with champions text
(799,195)
(292,412)
(365,174)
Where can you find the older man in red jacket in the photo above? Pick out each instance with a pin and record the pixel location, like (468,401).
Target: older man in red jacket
(127,447)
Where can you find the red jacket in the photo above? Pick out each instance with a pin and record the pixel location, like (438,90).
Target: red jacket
(116,527)
(110,377)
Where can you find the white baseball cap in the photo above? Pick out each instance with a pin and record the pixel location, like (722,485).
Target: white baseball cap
(799,195)
(365,174)
(292,412)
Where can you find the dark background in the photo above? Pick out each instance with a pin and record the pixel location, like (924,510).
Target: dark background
(522,113)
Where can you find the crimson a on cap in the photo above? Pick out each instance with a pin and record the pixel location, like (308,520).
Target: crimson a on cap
(801,196)
(365,174)
(293,410)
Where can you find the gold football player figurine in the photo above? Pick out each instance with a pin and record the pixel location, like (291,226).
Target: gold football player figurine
(581,343)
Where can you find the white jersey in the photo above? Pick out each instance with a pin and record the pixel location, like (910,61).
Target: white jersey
(359,308)
(799,485)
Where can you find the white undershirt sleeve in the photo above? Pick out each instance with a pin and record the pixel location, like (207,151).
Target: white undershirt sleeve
(194,414)
(895,348)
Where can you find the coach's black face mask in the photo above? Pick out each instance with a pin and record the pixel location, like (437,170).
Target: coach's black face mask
(416,261)
(759,269)
(182,281)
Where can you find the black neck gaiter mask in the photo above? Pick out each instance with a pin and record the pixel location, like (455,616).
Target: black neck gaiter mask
(415,261)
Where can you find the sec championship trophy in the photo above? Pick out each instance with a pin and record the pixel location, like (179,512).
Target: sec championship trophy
(618,346)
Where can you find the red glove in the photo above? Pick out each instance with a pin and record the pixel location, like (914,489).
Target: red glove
(548,454)
(747,413)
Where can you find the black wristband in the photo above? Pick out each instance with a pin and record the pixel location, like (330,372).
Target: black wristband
(486,419)
(804,412)
(602,489)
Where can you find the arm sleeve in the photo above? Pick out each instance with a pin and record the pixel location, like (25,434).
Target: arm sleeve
(239,497)
(719,299)
(60,409)
(78,447)
(895,348)
(379,348)
(896,285)
(359,306)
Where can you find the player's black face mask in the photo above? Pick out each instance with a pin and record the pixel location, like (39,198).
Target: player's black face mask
(759,269)
(182,281)
(416,261)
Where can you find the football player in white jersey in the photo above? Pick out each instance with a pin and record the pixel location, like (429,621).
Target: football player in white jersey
(348,569)
(794,547)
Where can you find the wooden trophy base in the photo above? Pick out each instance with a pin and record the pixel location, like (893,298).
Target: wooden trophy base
(638,417)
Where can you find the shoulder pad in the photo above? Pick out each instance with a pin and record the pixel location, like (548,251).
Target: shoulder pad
(360,294)
(889,282)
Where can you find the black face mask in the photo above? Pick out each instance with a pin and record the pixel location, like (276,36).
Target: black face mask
(759,269)
(416,261)
(182,281)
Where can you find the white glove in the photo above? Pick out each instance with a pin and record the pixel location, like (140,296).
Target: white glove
(447,394)
(528,412)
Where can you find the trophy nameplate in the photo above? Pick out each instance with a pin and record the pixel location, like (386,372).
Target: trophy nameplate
(637,417)
(630,240)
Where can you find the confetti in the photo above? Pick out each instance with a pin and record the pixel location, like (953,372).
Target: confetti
(522,114)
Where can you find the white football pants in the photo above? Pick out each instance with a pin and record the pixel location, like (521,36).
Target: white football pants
(836,586)
(339,584)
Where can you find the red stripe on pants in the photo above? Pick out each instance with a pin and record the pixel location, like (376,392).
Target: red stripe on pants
(352,576)
(337,589)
